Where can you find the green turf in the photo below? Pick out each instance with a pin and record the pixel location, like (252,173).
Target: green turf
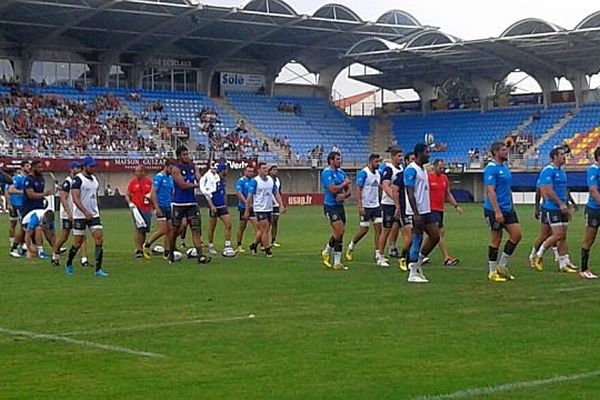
(361,334)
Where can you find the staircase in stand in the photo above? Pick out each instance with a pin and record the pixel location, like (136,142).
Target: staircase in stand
(254,131)
(381,137)
(550,133)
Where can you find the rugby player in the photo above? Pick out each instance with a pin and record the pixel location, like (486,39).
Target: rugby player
(336,189)
(368,181)
(499,212)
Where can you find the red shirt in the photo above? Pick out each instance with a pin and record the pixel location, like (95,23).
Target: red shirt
(438,187)
(139,193)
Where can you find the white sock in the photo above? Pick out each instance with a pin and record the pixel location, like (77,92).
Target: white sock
(555,251)
(328,248)
(54,256)
(12,241)
(84,260)
(228,243)
(421,258)
(40,250)
(337,257)
(562,261)
(212,245)
(377,254)
(492,266)
(533,251)
(413,267)
(503,260)
(351,245)
(540,252)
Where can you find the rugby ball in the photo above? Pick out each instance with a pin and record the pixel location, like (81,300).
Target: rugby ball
(177,256)
(192,253)
(429,139)
(158,250)
(228,252)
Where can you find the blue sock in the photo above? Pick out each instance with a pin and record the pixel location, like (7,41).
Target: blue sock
(415,247)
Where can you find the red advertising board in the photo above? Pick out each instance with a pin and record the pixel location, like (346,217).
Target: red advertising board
(118,164)
(303,199)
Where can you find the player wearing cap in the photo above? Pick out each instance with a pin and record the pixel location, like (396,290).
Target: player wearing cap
(498,210)
(185,204)
(213,186)
(138,197)
(161,197)
(36,223)
(66,216)
(274,173)
(418,206)
(242,189)
(336,189)
(368,181)
(86,215)
(261,195)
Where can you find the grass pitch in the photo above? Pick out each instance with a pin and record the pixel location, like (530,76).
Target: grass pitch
(361,334)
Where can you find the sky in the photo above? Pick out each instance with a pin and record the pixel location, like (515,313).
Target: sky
(461,18)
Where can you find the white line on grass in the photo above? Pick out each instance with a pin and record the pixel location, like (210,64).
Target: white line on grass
(508,387)
(85,343)
(156,325)
(578,287)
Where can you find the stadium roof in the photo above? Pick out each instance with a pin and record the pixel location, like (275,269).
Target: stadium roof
(133,31)
(535,46)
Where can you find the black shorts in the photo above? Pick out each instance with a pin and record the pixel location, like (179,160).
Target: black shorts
(553,217)
(243,210)
(261,216)
(167,213)
(592,217)
(190,213)
(81,225)
(14,214)
(335,213)
(388,215)
(221,211)
(388,212)
(66,224)
(371,215)
(426,219)
(276,211)
(438,216)
(510,218)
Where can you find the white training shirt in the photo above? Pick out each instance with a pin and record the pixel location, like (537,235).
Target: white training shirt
(88,187)
(278,188)
(416,176)
(262,194)
(385,175)
(66,187)
(369,182)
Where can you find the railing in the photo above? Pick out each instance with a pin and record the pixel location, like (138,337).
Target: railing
(61,154)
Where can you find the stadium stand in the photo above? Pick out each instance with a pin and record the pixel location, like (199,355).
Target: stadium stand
(315,123)
(582,134)
(457,132)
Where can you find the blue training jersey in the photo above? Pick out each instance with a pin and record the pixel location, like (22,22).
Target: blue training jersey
(242,186)
(163,184)
(593,180)
(185,196)
(16,199)
(498,175)
(219,198)
(331,176)
(555,177)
